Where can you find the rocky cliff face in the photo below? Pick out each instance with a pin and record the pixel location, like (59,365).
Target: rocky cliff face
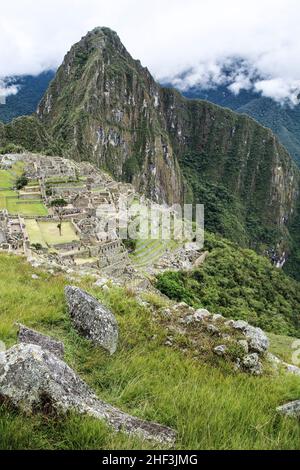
(105,107)
(229,157)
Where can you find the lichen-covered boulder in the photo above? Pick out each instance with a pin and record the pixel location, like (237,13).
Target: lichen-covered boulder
(257,339)
(92,319)
(28,336)
(32,379)
(291,409)
(252,364)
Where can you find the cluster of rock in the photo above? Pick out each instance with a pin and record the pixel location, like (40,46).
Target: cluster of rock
(92,319)
(252,343)
(185,258)
(34,377)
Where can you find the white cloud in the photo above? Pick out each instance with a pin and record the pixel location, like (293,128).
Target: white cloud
(7,90)
(168,37)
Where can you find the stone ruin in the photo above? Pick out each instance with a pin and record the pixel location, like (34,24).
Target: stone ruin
(84,188)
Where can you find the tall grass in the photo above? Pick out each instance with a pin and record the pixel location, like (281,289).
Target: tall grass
(208,406)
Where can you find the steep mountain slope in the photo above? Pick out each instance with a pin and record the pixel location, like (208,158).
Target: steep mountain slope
(283,120)
(105,107)
(30,92)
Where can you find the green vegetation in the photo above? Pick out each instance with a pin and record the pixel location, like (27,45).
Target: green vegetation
(283,120)
(284,347)
(238,284)
(210,407)
(21,182)
(26,208)
(11,148)
(10,200)
(47,233)
(27,133)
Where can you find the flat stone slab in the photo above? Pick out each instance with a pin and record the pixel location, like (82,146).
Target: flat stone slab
(32,379)
(92,319)
(28,336)
(291,409)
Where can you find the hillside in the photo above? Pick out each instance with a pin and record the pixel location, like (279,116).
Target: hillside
(238,283)
(210,406)
(283,120)
(30,91)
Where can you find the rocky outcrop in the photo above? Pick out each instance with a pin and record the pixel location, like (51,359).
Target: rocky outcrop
(236,341)
(92,319)
(258,340)
(28,336)
(32,379)
(291,410)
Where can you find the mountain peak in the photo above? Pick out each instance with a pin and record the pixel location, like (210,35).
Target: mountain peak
(100,37)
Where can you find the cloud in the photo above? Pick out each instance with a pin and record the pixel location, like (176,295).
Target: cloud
(7,90)
(194,39)
(280,90)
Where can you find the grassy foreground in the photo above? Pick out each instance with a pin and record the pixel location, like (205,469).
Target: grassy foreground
(209,407)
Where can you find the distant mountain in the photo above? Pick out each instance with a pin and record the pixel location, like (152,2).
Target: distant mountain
(283,120)
(25,102)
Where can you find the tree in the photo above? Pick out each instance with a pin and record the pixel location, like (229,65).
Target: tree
(59,205)
(21,182)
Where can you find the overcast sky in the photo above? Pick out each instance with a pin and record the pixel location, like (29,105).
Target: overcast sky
(168,36)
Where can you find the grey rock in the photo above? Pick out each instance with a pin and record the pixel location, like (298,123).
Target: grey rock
(239,325)
(220,350)
(92,319)
(213,330)
(188,319)
(217,317)
(34,277)
(167,313)
(101,282)
(226,336)
(292,369)
(28,336)
(252,364)
(201,314)
(182,305)
(199,261)
(291,409)
(257,339)
(244,344)
(32,379)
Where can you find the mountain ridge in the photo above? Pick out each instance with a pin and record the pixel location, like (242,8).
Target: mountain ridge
(281,119)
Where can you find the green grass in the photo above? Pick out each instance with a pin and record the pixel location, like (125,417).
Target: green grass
(284,346)
(47,233)
(6,180)
(208,406)
(30,208)
(9,198)
(14,205)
